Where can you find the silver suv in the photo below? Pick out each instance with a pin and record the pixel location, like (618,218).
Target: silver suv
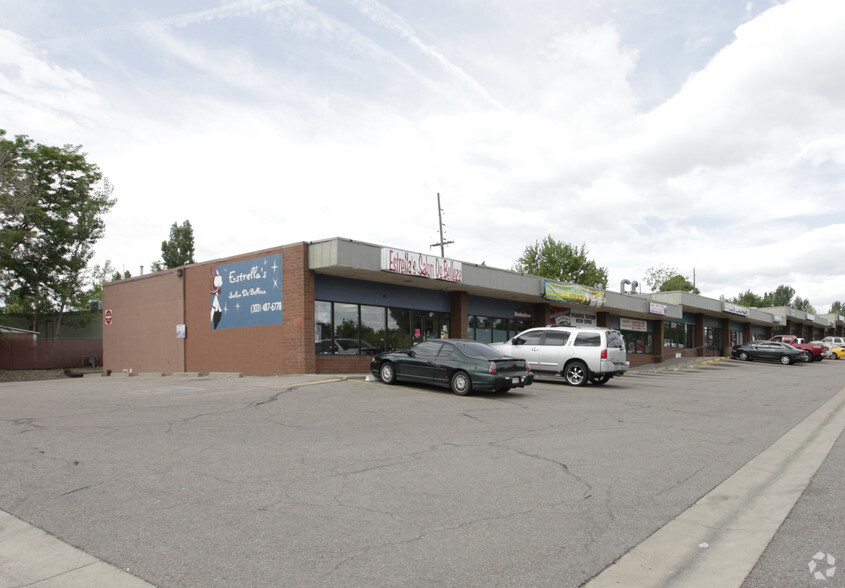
(579,354)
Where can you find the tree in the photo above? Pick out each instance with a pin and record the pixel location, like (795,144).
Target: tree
(560,261)
(748,298)
(178,250)
(678,283)
(52,206)
(782,296)
(803,304)
(664,278)
(837,308)
(656,276)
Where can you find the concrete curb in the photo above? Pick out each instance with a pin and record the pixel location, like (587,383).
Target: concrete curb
(30,557)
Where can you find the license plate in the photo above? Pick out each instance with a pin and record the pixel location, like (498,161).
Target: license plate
(516,380)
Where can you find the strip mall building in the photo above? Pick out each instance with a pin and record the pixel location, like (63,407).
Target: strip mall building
(327,306)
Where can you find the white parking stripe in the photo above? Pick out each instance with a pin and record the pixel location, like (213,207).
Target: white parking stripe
(718,540)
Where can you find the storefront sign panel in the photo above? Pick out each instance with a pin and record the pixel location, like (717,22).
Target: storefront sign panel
(735,309)
(657,308)
(571,317)
(247,293)
(421,265)
(573,293)
(627,324)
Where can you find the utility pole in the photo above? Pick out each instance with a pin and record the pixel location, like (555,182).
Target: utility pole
(442,243)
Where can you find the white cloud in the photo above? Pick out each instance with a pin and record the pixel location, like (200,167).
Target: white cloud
(325,120)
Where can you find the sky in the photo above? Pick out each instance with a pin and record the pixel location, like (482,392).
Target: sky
(706,135)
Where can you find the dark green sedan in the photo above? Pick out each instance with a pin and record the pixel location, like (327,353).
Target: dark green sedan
(458,364)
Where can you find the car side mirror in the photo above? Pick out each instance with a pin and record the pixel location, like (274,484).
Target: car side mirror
(412,353)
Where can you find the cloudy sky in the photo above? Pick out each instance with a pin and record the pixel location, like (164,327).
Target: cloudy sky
(705,135)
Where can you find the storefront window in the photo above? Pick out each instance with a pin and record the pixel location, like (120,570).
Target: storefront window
(495,330)
(712,338)
(352,329)
(372,329)
(323,320)
(679,335)
(398,329)
(484,329)
(638,342)
(501,330)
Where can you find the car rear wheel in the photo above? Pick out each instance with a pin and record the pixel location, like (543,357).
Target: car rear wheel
(387,373)
(576,373)
(743,355)
(785,359)
(461,384)
(599,380)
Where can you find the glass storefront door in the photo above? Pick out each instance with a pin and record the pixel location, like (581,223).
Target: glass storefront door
(429,325)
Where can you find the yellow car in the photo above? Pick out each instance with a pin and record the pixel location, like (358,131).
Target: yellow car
(837,352)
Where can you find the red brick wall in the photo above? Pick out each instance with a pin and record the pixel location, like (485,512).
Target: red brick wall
(341,364)
(266,350)
(142,333)
(146,310)
(459,315)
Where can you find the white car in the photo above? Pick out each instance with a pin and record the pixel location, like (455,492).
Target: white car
(579,354)
(834,341)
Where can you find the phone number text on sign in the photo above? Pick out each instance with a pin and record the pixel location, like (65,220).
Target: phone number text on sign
(266,307)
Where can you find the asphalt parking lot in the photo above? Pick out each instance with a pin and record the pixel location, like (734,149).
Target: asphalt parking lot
(319,481)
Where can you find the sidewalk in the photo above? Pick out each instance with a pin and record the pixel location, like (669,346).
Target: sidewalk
(676,364)
(29,556)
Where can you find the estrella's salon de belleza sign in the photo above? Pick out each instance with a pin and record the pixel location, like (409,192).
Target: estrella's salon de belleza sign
(247,293)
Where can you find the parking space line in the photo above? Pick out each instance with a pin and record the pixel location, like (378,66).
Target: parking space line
(718,540)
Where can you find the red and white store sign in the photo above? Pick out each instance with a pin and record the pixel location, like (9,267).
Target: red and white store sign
(420,265)
(627,324)
(107,316)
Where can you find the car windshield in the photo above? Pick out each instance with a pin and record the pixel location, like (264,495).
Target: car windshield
(477,349)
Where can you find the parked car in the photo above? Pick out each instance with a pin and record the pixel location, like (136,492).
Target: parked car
(459,364)
(836,352)
(770,351)
(579,354)
(815,350)
(834,341)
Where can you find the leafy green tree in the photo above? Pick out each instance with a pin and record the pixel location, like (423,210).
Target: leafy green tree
(655,276)
(783,295)
(803,304)
(178,250)
(678,283)
(52,208)
(118,276)
(560,261)
(664,278)
(748,298)
(837,307)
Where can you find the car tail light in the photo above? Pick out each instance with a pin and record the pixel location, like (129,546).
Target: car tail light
(604,353)
(527,367)
(493,368)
